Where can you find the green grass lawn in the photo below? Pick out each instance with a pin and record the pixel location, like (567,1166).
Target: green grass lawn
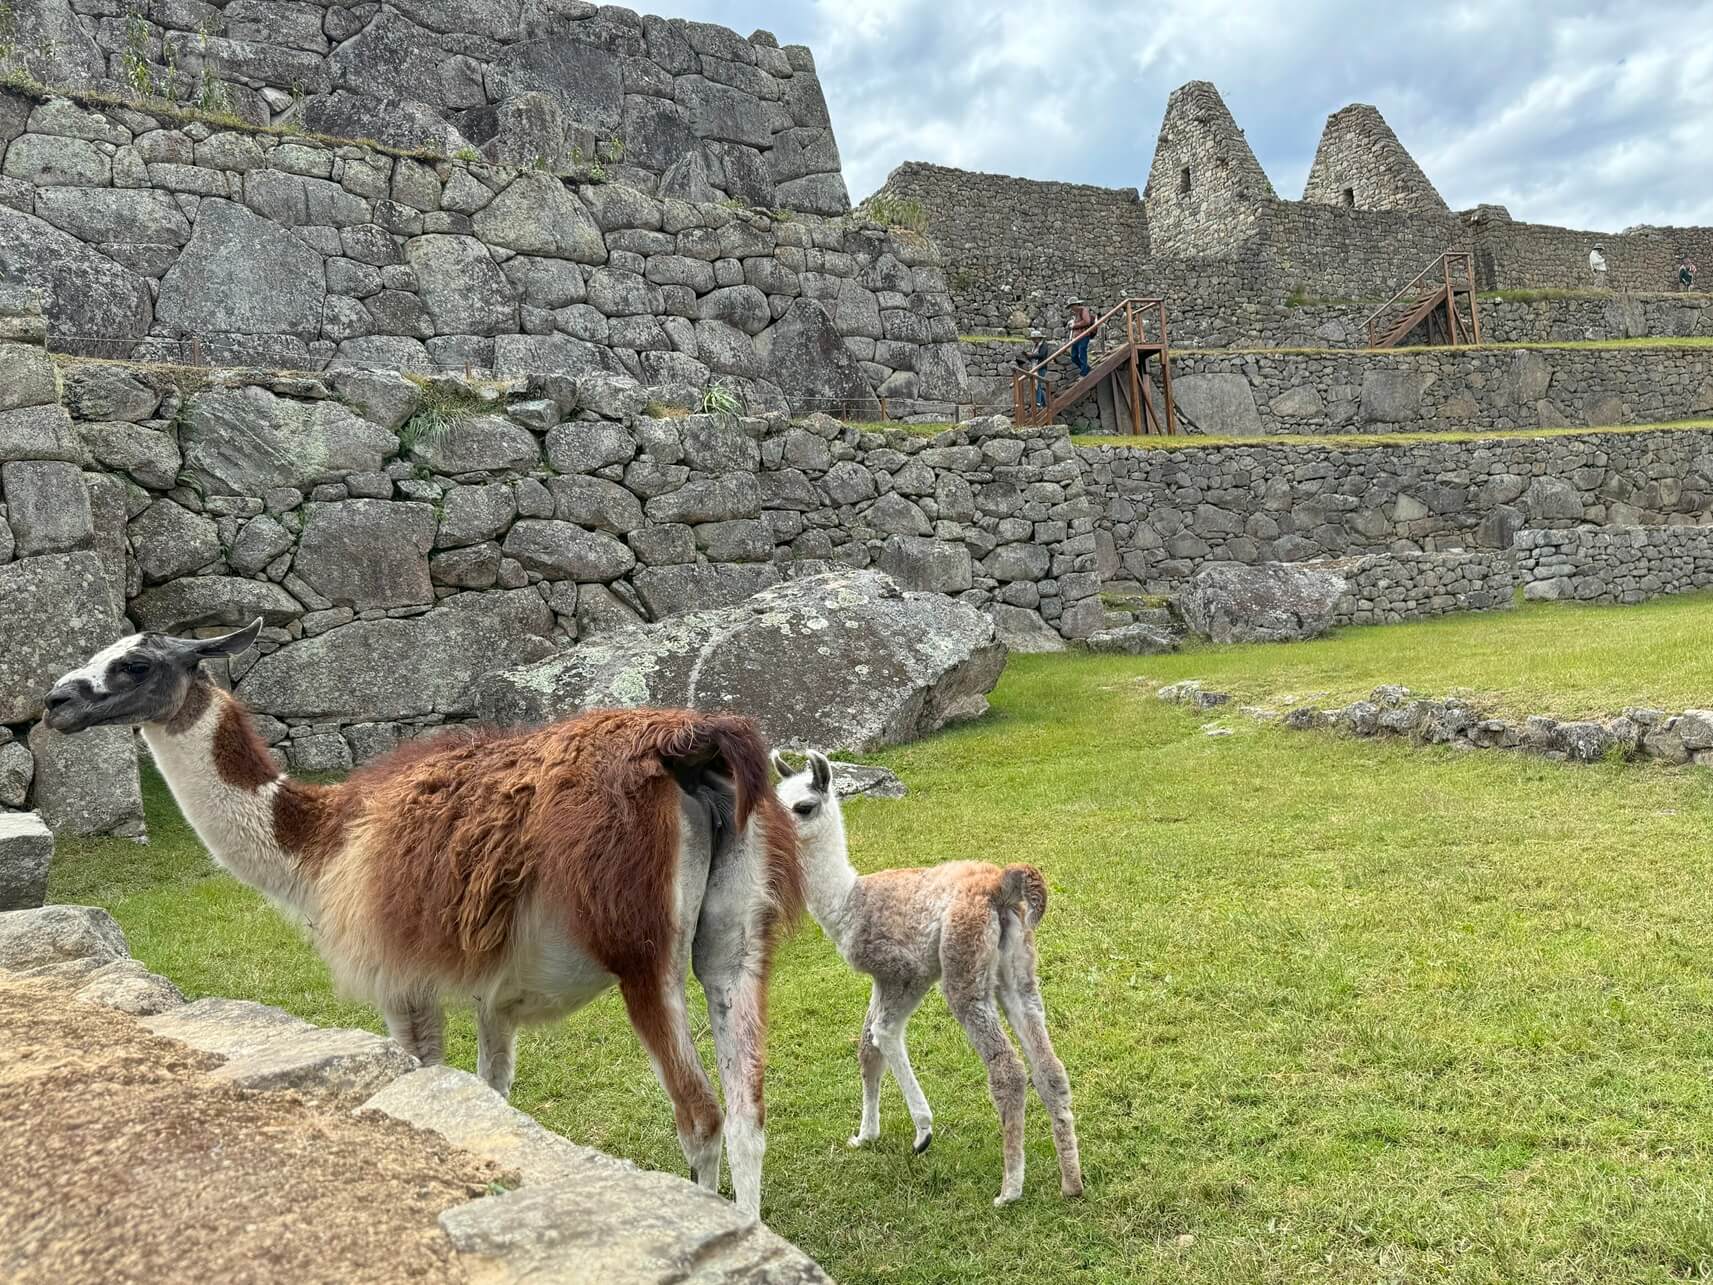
(1332,1010)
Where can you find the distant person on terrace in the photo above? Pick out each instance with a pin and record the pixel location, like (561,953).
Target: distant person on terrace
(1035,359)
(1686,275)
(1082,331)
(1597,265)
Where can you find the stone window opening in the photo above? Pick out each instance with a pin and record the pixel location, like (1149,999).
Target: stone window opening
(1184,181)
(1349,198)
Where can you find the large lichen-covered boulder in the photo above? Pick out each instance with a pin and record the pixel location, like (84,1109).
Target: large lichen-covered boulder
(840,661)
(1269,602)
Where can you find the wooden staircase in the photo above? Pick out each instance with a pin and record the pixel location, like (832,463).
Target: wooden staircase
(1119,373)
(1437,296)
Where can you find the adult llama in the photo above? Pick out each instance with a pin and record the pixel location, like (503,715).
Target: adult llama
(529,869)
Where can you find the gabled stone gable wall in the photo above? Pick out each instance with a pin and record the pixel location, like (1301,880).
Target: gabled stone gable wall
(1359,154)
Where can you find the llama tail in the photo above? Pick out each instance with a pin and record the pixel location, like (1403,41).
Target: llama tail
(732,746)
(1023,885)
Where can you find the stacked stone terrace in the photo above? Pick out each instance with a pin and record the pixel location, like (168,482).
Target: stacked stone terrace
(684,109)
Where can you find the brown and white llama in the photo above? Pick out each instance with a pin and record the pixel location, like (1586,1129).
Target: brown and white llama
(529,869)
(966,924)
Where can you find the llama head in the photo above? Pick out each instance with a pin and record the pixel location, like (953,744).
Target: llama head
(809,794)
(139,679)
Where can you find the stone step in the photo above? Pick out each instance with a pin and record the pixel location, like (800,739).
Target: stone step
(267,1048)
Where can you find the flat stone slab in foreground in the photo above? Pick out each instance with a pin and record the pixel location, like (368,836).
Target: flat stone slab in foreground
(581,1215)
(266,1048)
(839,661)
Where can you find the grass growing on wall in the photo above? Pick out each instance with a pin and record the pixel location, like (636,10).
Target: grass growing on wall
(1332,1010)
(1186,441)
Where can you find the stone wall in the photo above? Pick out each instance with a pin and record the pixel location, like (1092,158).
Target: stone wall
(1205,186)
(1167,511)
(1615,564)
(62,542)
(687,109)
(401,537)
(1440,389)
(1605,316)
(145,231)
(1385,588)
(1513,255)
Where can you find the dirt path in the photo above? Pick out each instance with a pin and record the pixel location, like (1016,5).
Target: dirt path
(125,1162)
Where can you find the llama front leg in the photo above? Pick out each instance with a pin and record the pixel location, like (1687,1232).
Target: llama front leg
(418,1027)
(896,1004)
(656,1010)
(496,1045)
(872,1063)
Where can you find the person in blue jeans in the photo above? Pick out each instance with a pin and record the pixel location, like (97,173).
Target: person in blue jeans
(1082,331)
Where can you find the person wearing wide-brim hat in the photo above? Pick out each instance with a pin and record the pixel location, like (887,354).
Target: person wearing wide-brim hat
(1034,359)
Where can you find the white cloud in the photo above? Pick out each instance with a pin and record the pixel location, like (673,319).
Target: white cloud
(1599,116)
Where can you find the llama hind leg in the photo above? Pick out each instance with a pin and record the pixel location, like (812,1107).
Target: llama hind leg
(872,1063)
(970,959)
(656,1010)
(1028,1018)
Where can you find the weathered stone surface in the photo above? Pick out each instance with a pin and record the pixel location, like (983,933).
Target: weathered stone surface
(616,1223)
(87,783)
(672,590)
(1272,602)
(565,551)
(85,292)
(464,289)
(1024,631)
(865,781)
(470,1115)
(243,274)
(127,986)
(17,771)
(926,565)
(266,1048)
(383,397)
(805,355)
(248,440)
(170,541)
(539,215)
(38,433)
(26,852)
(478,444)
(200,602)
(472,514)
(367,553)
(1388,396)
(1133,640)
(831,661)
(57,615)
(1219,405)
(596,502)
(56,934)
(47,506)
(372,670)
(150,456)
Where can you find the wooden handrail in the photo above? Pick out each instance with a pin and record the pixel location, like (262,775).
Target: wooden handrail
(1099,321)
(1439,261)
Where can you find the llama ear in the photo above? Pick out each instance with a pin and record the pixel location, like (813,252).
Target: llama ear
(230,644)
(820,770)
(781,766)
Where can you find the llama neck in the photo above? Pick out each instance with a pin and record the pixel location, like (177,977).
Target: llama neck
(226,785)
(832,878)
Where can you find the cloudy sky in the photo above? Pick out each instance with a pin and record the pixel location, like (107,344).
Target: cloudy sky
(1590,115)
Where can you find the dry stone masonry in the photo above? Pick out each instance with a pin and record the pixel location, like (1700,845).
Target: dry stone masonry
(685,109)
(148,234)
(1614,564)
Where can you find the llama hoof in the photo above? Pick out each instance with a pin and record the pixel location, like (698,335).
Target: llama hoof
(1006,1198)
(857,1141)
(924,1140)
(1071,1190)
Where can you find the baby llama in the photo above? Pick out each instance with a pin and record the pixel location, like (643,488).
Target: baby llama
(966,924)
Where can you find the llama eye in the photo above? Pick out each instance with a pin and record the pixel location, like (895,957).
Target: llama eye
(803,809)
(134,668)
